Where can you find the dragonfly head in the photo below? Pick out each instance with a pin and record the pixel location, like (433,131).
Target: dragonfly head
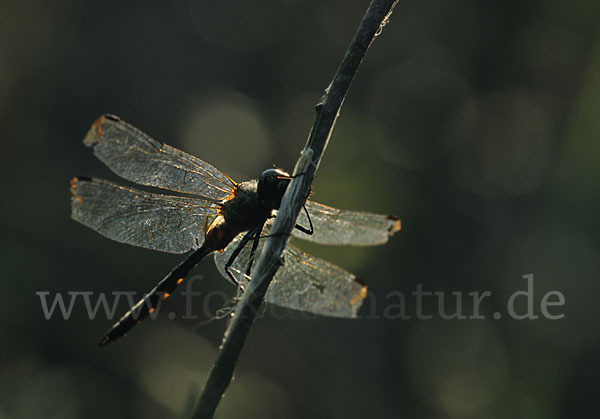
(272,185)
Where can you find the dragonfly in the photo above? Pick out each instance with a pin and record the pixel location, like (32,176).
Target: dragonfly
(200,210)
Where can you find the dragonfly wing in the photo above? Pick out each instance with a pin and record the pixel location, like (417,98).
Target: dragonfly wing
(304,282)
(308,283)
(338,227)
(161,222)
(139,158)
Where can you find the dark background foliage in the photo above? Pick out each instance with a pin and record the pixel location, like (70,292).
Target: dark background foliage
(475,122)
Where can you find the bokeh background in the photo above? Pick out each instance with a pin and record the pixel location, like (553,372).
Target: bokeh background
(475,122)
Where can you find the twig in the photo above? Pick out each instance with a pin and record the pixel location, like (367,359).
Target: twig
(327,111)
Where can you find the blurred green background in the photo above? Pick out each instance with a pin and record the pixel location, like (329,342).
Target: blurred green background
(474,122)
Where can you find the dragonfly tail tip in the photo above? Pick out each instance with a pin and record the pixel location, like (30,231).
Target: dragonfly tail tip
(104,341)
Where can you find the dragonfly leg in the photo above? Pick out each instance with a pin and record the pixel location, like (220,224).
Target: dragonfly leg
(310,230)
(240,246)
(303,229)
(255,240)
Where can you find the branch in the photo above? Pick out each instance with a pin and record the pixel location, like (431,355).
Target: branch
(327,111)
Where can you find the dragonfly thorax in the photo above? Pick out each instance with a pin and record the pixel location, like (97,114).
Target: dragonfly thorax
(244,209)
(253,201)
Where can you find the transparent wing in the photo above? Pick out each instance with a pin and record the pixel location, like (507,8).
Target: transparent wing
(304,282)
(339,227)
(137,157)
(167,223)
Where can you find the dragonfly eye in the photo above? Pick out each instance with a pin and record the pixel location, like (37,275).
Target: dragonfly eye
(276,173)
(272,185)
